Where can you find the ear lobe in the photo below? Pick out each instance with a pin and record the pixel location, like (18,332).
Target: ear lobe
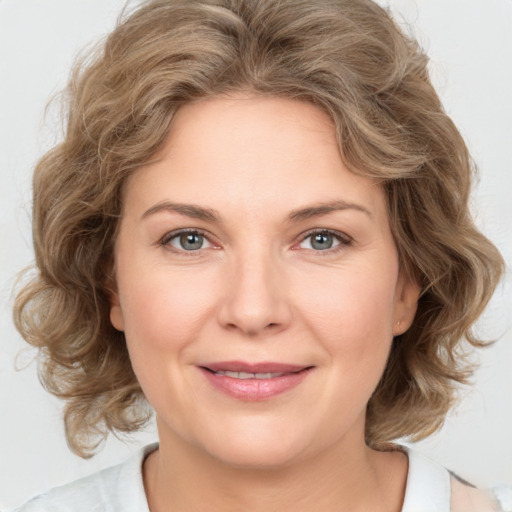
(116,313)
(406,303)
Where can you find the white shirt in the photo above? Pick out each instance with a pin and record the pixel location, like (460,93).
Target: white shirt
(121,489)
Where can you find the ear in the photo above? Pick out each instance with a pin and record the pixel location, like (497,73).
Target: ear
(116,313)
(406,303)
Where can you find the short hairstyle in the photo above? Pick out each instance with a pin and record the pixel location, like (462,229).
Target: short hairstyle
(348,58)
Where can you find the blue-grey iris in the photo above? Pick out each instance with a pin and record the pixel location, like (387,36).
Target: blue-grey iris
(322,241)
(191,241)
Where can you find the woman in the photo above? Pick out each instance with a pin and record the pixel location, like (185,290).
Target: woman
(258,223)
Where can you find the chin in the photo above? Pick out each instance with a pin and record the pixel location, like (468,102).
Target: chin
(257,456)
(257,446)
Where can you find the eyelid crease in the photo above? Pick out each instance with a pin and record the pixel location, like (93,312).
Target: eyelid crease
(344,239)
(164,240)
(320,231)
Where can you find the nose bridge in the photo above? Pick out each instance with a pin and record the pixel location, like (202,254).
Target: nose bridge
(256,298)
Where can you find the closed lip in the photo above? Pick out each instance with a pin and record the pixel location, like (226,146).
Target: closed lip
(253,367)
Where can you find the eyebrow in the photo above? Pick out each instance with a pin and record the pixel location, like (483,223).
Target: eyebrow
(325,208)
(211,215)
(189,210)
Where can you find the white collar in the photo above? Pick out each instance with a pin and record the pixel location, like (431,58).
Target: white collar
(428,485)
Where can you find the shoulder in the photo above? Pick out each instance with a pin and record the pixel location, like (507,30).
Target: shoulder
(113,489)
(503,494)
(432,487)
(466,498)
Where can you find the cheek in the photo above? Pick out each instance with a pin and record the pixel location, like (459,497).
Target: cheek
(161,311)
(164,311)
(163,315)
(353,322)
(356,304)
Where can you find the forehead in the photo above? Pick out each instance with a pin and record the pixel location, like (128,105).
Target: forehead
(241,151)
(242,125)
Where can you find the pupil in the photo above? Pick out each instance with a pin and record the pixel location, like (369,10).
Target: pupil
(322,241)
(191,241)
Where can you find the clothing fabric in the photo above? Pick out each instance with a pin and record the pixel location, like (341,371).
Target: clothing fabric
(121,489)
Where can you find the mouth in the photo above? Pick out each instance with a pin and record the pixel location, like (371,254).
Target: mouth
(254,381)
(246,375)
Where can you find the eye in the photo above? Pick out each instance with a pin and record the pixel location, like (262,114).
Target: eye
(324,240)
(187,241)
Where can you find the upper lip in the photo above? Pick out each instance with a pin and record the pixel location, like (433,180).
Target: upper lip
(260,367)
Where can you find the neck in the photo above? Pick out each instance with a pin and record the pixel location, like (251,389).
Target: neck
(181,478)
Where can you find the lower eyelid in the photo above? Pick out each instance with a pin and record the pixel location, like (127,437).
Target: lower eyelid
(340,237)
(343,239)
(176,234)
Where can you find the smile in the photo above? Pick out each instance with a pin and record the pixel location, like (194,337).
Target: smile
(254,381)
(246,375)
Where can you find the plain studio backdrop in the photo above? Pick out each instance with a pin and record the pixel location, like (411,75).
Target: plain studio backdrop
(470,44)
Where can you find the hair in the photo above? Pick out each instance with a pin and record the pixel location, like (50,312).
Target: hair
(347,57)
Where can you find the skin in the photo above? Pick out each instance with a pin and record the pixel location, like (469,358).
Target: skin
(257,289)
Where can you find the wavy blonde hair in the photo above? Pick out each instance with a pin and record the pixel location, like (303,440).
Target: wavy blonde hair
(345,56)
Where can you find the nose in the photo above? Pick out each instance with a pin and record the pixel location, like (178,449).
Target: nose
(256,301)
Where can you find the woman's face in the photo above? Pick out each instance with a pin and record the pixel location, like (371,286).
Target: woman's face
(257,284)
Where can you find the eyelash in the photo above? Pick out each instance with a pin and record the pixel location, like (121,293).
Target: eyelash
(166,239)
(343,239)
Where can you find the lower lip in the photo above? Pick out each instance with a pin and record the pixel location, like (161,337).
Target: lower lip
(253,390)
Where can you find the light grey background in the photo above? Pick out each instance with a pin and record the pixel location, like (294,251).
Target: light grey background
(470,44)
